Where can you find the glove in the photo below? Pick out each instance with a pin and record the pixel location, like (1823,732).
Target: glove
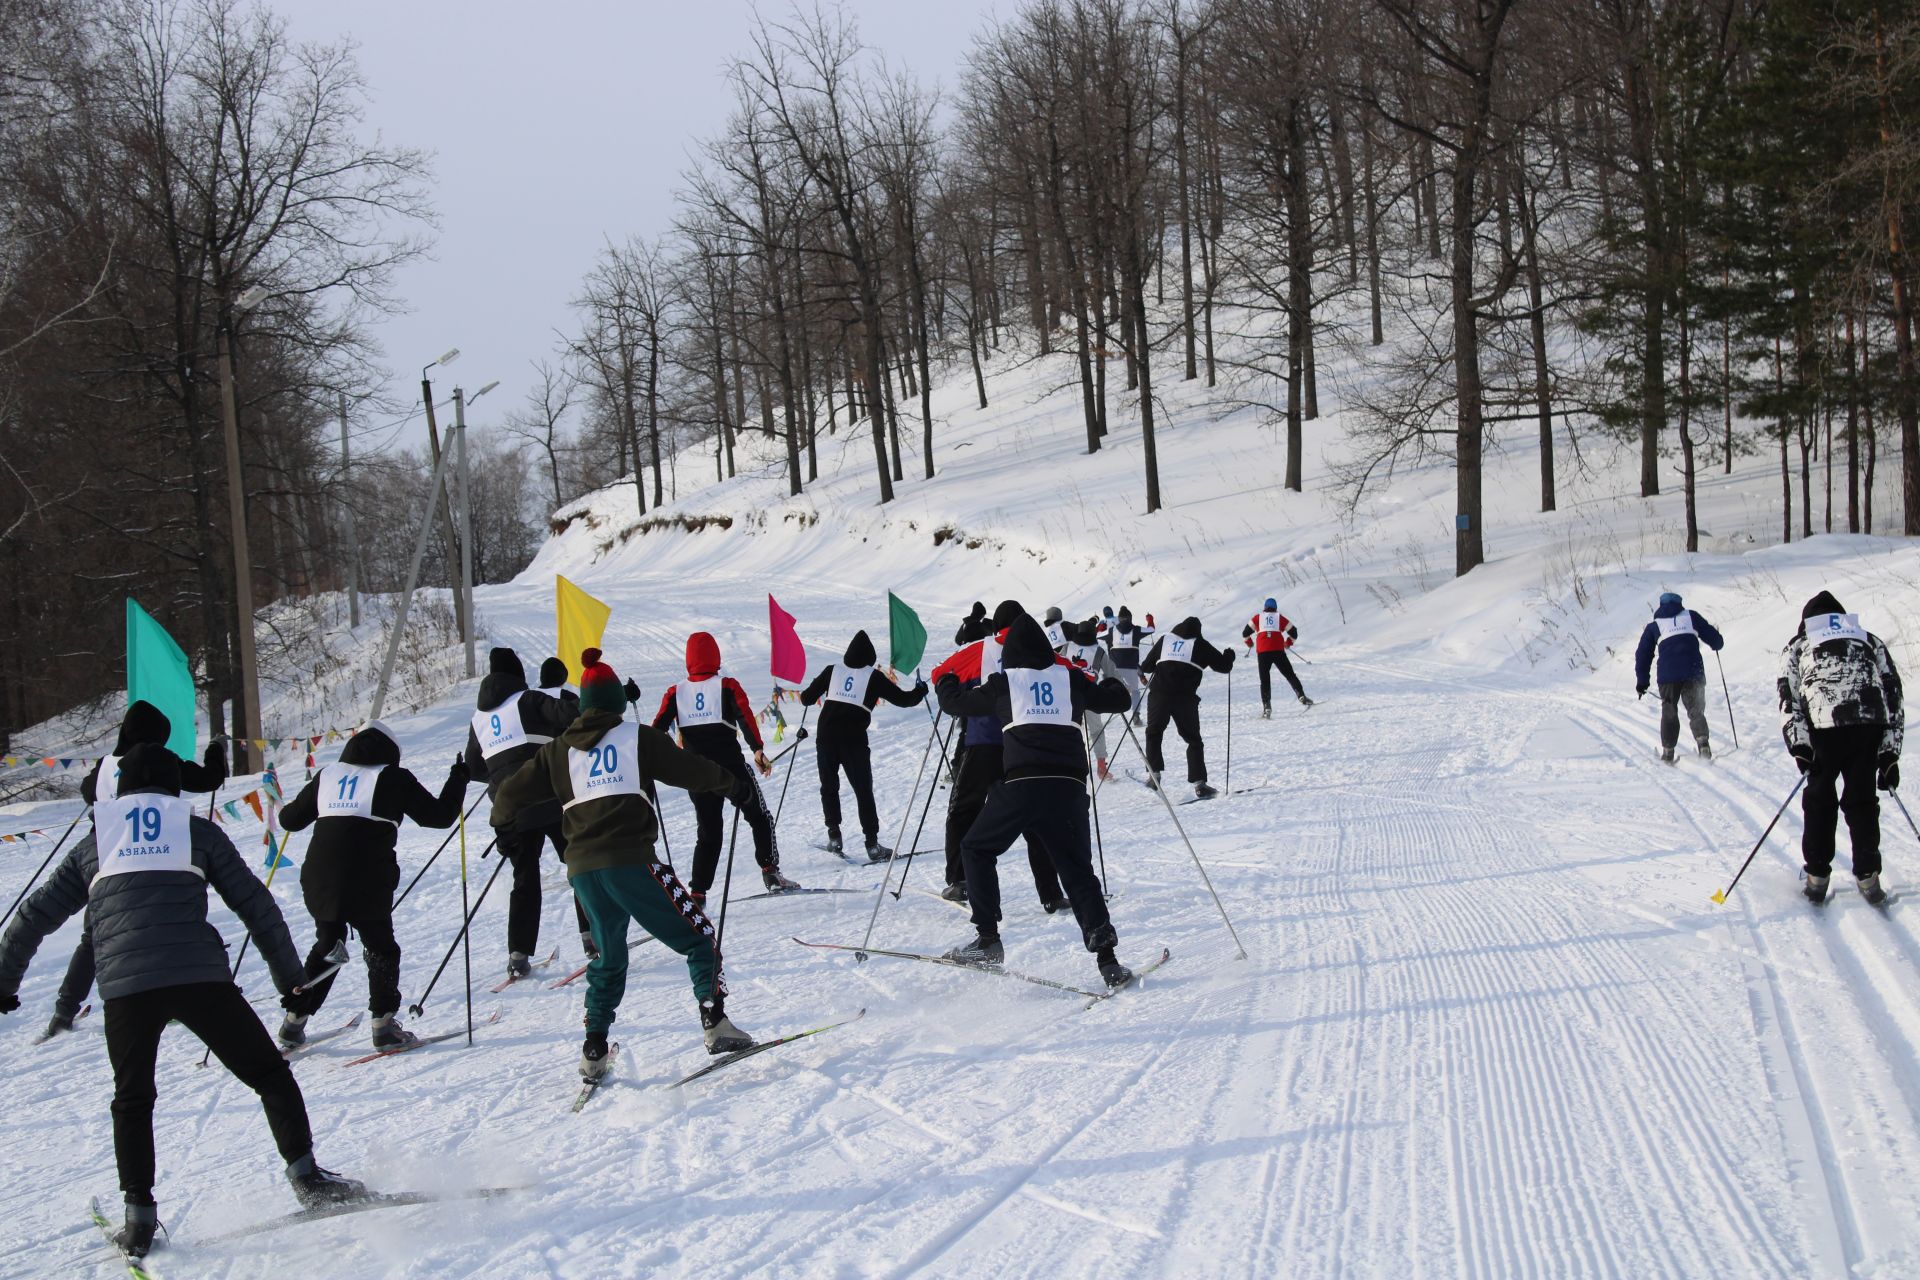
(291,1003)
(744,794)
(1293,633)
(921,688)
(1229,655)
(9,1002)
(216,760)
(1640,691)
(460,773)
(1889,773)
(1802,756)
(632,690)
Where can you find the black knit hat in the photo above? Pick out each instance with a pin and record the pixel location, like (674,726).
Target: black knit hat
(553,672)
(1820,606)
(507,662)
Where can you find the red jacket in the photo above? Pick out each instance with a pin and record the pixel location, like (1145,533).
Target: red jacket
(1275,641)
(703,663)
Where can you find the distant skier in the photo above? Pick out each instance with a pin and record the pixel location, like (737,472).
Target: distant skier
(1124,643)
(1055,625)
(850,688)
(1270,635)
(600,772)
(511,723)
(1176,664)
(1040,700)
(708,707)
(143,723)
(142,879)
(973,626)
(1086,652)
(1845,722)
(1675,634)
(348,876)
(553,683)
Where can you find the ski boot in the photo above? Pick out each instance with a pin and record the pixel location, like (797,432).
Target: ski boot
(720,1033)
(1871,890)
(1105,773)
(518,964)
(1706,752)
(1112,972)
(594,1063)
(588,947)
(955,892)
(698,898)
(775,882)
(1666,755)
(984,952)
(1153,782)
(293,1031)
(833,844)
(58,1023)
(1266,711)
(1305,701)
(1815,889)
(1053,906)
(389,1034)
(1202,791)
(877,852)
(1137,721)
(135,1239)
(316,1188)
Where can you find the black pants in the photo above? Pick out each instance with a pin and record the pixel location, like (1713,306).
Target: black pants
(709,811)
(382,952)
(1055,810)
(522,849)
(219,1015)
(1849,756)
(980,770)
(853,757)
(1185,716)
(1269,659)
(79,979)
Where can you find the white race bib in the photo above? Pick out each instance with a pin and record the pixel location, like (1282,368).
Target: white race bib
(1835,626)
(1680,624)
(1177,649)
(106,783)
(1055,636)
(1081,655)
(555,692)
(1267,623)
(699,701)
(501,730)
(849,685)
(1127,640)
(989,658)
(611,767)
(346,791)
(1040,697)
(143,832)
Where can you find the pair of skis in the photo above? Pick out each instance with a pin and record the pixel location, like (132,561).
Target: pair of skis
(422,1042)
(1093,997)
(536,967)
(590,1087)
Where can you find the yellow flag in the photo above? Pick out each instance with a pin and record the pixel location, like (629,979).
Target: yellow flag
(580,621)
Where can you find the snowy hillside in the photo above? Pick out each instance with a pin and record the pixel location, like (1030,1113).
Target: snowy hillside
(1490,1022)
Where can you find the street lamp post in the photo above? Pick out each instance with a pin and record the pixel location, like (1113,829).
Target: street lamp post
(460,403)
(249,692)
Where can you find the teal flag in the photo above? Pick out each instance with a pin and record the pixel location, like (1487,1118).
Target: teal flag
(158,672)
(907,638)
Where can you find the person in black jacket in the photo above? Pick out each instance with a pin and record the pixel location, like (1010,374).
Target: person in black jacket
(142,878)
(851,688)
(1175,665)
(512,723)
(143,723)
(355,807)
(553,683)
(1123,641)
(1040,702)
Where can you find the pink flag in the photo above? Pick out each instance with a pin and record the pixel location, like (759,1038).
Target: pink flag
(789,655)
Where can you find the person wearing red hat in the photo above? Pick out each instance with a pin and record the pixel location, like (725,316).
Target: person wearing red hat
(600,772)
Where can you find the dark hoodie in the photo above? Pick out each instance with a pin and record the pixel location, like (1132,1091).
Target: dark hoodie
(714,741)
(542,719)
(973,626)
(1034,750)
(553,683)
(844,721)
(146,724)
(1124,640)
(350,870)
(1174,680)
(616,830)
(971,660)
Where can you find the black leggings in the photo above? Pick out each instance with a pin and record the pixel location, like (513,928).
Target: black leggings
(1268,661)
(854,758)
(522,849)
(382,951)
(1184,714)
(218,1014)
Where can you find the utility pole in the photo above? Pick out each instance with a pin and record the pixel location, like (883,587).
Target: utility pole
(466,522)
(249,693)
(353,541)
(445,511)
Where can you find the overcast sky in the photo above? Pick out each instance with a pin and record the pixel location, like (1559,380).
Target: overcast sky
(552,127)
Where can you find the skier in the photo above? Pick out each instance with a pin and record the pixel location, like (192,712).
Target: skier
(1270,635)
(1675,633)
(1054,624)
(142,878)
(1175,665)
(513,722)
(1845,721)
(553,683)
(850,689)
(709,707)
(1040,700)
(973,626)
(348,877)
(1124,642)
(600,772)
(143,723)
(1085,652)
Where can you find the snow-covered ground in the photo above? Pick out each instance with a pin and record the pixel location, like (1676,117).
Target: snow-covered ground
(1490,1022)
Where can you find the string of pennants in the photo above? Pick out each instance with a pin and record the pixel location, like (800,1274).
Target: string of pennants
(306,744)
(263,802)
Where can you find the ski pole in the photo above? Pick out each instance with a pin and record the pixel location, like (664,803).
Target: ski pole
(925,809)
(799,737)
(51,854)
(419,1006)
(660,821)
(437,852)
(907,813)
(466,935)
(246,939)
(338,957)
(1721,896)
(1903,809)
(1229,731)
(1093,799)
(887,879)
(1205,878)
(726,885)
(1729,693)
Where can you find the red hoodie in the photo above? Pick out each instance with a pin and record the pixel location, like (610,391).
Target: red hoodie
(714,709)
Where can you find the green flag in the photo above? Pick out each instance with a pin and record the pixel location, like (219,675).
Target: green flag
(907,638)
(157,672)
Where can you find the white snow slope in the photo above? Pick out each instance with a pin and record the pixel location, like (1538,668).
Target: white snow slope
(1489,1022)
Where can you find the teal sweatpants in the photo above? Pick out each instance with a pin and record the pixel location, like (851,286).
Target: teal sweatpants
(654,897)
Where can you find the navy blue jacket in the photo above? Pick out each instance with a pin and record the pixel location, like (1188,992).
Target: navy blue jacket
(1680,660)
